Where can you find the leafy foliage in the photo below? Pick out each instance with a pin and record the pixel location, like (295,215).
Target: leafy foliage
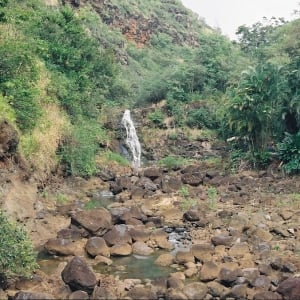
(17,257)
(289,152)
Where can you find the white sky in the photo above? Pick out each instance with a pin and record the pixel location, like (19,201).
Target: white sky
(228,15)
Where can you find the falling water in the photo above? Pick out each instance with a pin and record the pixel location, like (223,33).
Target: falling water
(132,140)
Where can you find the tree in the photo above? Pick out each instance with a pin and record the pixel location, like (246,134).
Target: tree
(255,105)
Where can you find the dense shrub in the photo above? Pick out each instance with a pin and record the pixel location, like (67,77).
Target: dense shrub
(17,257)
(156,117)
(200,118)
(289,153)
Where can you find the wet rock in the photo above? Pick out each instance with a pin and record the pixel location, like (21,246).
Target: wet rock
(79,295)
(60,247)
(209,271)
(164,260)
(23,295)
(152,173)
(121,250)
(79,276)
(170,184)
(222,239)
(97,246)
(203,252)
(159,236)
(97,221)
(103,260)
(290,288)
(183,257)
(141,248)
(141,293)
(119,234)
(141,234)
(195,290)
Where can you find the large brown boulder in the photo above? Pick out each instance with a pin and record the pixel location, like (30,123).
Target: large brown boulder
(290,288)
(9,139)
(97,246)
(79,276)
(96,221)
(119,234)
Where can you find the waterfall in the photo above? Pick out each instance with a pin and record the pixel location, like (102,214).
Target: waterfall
(132,140)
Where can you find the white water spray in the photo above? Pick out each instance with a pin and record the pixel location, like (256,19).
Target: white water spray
(132,140)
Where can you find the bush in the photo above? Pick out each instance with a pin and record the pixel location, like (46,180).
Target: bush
(289,153)
(156,117)
(200,118)
(17,257)
(79,149)
(172,162)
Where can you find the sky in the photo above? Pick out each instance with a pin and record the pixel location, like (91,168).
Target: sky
(228,15)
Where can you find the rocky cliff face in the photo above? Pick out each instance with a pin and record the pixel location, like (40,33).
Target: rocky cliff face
(139,27)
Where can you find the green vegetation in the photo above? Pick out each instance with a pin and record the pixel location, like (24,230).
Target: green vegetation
(187,202)
(212,194)
(17,257)
(82,61)
(172,162)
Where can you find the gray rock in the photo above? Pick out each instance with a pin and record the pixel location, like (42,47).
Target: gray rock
(79,276)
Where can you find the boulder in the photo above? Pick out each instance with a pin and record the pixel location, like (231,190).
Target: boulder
(97,221)
(121,250)
(164,260)
(290,288)
(195,290)
(79,295)
(79,276)
(141,293)
(170,184)
(141,248)
(193,179)
(209,271)
(152,173)
(119,234)
(60,246)
(97,246)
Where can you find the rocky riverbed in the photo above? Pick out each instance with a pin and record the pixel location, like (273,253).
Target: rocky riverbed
(189,233)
